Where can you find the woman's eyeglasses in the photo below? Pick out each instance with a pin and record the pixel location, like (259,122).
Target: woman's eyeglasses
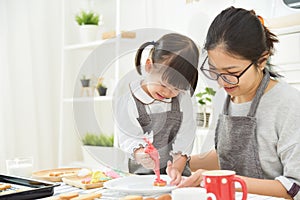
(228,78)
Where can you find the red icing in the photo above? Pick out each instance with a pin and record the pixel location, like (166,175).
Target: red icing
(153,153)
(160,182)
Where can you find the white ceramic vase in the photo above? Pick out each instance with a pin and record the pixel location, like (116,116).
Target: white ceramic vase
(88,33)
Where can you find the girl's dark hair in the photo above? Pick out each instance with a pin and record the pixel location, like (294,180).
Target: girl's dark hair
(179,54)
(240,32)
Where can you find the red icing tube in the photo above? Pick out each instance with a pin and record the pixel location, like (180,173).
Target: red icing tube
(153,153)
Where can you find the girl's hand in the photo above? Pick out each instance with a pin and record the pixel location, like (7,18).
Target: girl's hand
(144,159)
(174,174)
(194,180)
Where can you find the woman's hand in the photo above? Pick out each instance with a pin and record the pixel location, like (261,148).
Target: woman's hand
(174,174)
(144,159)
(194,180)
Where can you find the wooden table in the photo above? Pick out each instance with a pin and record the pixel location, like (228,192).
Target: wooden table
(114,195)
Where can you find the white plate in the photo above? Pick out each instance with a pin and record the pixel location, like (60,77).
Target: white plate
(139,184)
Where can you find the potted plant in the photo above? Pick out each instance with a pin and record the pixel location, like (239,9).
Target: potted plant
(101,88)
(97,147)
(92,139)
(204,99)
(85,82)
(88,22)
(100,148)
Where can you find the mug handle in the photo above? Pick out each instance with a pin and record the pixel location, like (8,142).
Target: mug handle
(211,195)
(244,186)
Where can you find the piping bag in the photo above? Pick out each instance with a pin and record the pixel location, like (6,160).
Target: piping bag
(153,153)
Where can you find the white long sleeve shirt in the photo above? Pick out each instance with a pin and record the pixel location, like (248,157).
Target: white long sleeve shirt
(131,134)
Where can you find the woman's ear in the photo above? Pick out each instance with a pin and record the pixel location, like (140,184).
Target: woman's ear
(148,65)
(262,62)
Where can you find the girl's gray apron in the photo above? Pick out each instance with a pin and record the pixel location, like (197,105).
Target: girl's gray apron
(236,140)
(165,126)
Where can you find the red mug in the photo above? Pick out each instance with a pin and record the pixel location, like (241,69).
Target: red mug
(222,184)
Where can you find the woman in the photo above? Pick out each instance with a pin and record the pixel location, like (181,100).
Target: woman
(258,130)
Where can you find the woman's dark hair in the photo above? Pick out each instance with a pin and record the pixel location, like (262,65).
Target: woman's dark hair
(180,56)
(241,32)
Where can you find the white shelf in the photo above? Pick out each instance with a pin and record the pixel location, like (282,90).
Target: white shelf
(88,99)
(81,114)
(89,45)
(92,45)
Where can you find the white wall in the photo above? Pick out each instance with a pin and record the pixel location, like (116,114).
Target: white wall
(189,19)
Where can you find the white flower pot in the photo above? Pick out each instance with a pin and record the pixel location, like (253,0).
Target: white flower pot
(88,33)
(203,119)
(109,156)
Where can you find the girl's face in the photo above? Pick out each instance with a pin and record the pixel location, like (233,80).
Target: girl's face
(158,89)
(154,86)
(222,62)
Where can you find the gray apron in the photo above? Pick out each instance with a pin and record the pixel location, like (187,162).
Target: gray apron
(236,140)
(165,126)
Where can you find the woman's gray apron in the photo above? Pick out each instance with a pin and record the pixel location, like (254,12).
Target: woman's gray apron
(236,140)
(165,126)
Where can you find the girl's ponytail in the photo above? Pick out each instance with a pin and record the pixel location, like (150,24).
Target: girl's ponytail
(138,55)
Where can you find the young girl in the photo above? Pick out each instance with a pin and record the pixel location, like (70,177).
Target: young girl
(258,130)
(159,106)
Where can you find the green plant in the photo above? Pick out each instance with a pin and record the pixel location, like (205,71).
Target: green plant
(85,18)
(100,83)
(204,99)
(205,96)
(84,77)
(98,140)
(101,88)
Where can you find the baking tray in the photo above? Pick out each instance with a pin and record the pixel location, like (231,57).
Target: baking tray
(25,188)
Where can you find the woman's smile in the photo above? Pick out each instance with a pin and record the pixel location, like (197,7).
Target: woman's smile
(231,89)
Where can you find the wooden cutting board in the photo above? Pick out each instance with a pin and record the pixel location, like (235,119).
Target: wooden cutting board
(55,175)
(76,182)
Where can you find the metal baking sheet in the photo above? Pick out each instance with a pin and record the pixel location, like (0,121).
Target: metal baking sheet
(25,188)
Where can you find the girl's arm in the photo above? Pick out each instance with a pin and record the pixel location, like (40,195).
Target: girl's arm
(207,161)
(184,141)
(179,162)
(175,168)
(130,133)
(265,187)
